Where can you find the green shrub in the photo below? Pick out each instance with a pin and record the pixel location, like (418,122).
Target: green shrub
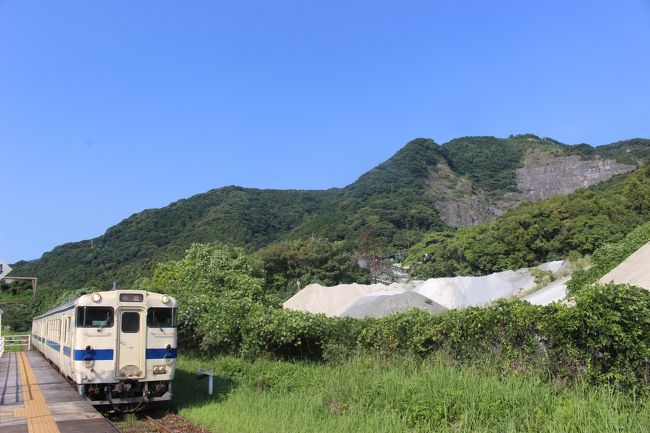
(605,336)
(286,334)
(609,256)
(222,327)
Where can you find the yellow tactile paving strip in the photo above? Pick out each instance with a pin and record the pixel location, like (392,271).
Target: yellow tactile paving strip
(39,417)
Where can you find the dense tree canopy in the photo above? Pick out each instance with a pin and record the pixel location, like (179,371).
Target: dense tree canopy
(293,264)
(537,232)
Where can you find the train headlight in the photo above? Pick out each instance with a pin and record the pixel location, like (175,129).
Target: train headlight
(159,369)
(88,363)
(96,297)
(164,299)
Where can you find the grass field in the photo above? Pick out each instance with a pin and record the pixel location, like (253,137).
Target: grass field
(401,395)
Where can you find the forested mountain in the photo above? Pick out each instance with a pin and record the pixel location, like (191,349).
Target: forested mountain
(541,231)
(424,187)
(237,216)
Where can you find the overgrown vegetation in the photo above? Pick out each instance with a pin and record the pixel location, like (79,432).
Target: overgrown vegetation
(293,264)
(608,257)
(604,338)
(533,233)
(377,394)
(16,317)
(16,291)
(15,300)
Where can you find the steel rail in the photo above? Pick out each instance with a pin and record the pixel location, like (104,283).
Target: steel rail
(161,428)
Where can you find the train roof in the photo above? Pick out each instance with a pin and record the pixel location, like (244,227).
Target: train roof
(72,303)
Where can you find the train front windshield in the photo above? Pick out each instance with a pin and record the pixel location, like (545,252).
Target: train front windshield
(94,317)
(161,317)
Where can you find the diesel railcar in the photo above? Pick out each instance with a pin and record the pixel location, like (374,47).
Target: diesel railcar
(117,347)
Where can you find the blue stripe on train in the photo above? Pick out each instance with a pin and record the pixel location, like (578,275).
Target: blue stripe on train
(161,353)
(107,354)
(54,345)
(66,351)
(95,354)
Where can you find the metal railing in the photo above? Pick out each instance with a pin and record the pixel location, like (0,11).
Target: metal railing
(21,341)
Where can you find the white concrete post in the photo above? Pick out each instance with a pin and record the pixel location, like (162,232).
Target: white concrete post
(210,374)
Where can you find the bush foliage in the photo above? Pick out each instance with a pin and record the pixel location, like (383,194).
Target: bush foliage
(293,264)
(609,256)
(604,337)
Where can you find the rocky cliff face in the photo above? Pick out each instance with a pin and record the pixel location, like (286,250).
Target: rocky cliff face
(457,200)
(543,175)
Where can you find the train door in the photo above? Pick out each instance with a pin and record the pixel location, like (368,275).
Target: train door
(66,363)
(60,335)
(131,345)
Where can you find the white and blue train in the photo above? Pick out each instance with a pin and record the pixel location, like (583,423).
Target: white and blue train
(118,347)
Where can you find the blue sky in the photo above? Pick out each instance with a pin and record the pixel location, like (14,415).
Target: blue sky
(111,107)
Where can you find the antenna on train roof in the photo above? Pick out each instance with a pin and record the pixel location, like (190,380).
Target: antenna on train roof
(114,285)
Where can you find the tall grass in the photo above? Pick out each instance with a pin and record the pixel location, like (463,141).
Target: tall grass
(374,395)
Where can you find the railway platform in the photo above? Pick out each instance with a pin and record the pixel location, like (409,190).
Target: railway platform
(35,398)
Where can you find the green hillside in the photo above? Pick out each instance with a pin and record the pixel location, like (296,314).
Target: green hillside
(387,206)
(238,216)
(387,209)
(536,232)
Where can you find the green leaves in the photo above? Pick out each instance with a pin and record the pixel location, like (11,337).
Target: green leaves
(606,335)
(604,338)
(608,256)
(537,232)
(291,265)
(214,270)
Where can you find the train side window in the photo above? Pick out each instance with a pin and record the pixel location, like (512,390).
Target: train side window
(161,317)
(95,317)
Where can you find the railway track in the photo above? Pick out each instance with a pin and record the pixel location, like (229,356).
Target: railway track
(143,423)
(161,428)
(140,425)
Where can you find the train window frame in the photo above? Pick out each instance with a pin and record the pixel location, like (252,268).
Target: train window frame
(150,316)
(81,316)
(134,330)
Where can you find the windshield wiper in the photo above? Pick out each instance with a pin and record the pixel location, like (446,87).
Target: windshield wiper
(104,323)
